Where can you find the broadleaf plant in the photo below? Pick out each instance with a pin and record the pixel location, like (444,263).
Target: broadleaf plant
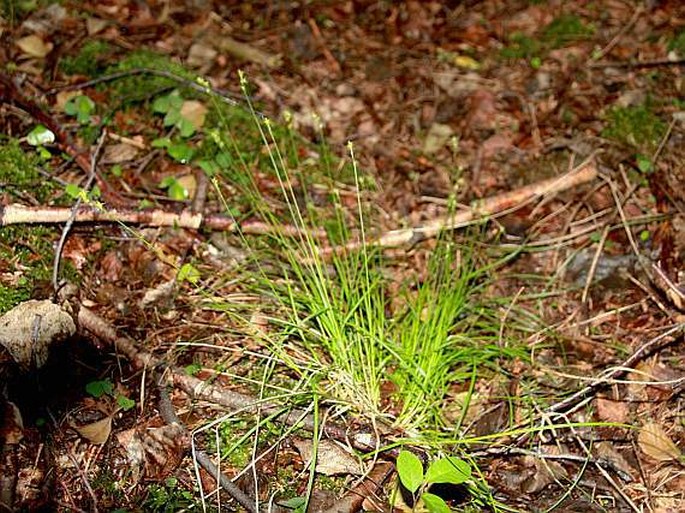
(448,470)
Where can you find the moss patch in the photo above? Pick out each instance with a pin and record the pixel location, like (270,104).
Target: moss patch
(637,126)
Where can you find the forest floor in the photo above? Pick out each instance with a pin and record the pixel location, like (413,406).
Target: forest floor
(275,254)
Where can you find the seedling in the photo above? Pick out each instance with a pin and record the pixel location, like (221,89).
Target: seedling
(171,106)
(179,151)
(102,388)
(38,138)
(81,107)
(448,470)
(174,189)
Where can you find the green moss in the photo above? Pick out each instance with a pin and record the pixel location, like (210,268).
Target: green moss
(566,29)
(143,86)
(19,171)
(26,251)
(521,46)
(563,30)
(89,61)
(637,126)
(16,166)
(677,44)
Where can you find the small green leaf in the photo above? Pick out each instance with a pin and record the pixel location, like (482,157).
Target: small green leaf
(39,136)
(186,128)
(210,167)
(189,273)
(73,190)
(410,470)
(536,62)
(167,182)
(644,235)
(177,192)
(644,164)
(81,107)
(181,152)
(125,403)
(172,117)
(99,388)
(117,171)
(434,504)
(162,142)
(448,470)
(161,104)
(193,368)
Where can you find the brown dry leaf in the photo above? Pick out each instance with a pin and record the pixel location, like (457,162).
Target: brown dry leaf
(121,152)
(200,55)
(195,112)
(612,411)
(95,25)
(655,443)
(332,459)
(97,432)
(437,137)
(546,472)
(34,46)
(189,184)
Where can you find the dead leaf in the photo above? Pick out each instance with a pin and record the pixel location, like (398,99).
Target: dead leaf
(95,25)
(97,432)
(117,153)
(331,459)
(195,112)
(437,137)
(162,295)
(34,46)
(612,411)
(189,183)
(200,55)
(656,444)
(546,472)
(156,451)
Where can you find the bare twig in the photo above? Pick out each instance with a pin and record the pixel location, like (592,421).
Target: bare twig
(74,209)
(479,210)
(166,410)
(22,214)
(640,354)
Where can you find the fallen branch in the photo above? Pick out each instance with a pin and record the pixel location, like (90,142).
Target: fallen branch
(22,214)
(479,210)
(363,440)
(167,412)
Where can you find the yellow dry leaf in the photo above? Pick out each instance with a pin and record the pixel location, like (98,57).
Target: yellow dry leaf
(195,112)
(655,443)
(466,62)
(34,46)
